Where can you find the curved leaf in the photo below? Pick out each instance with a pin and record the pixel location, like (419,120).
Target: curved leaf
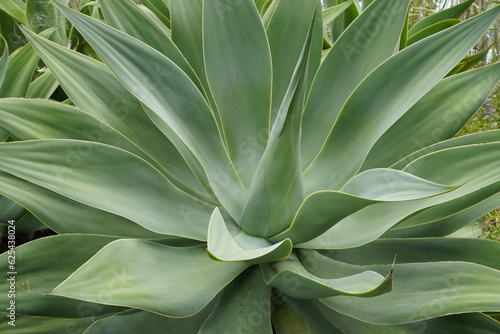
(93,173)
(355,54)
(138,322)
(124,112)
(322,210)
(224,246)
(4,59)
(43,86)
(472,139)
(32,325)
(40,267)
(300,316)
(185,289)
(14,8)
(417,250)
(476,323)
(479,178)
(164,88)
(431,30)
(451,13)
(439,115)
(245,307)
(286,52)
(290,277)
(129,18)
(426,290)
(236,51)
(374,111)
(22,63)
(78,217)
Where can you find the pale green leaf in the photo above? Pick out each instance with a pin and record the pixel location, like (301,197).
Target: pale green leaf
(331,13)
(4,59)
(164,88)
(21,65)
(435,28)
(419,250)
(308,286)
(239,246)
(15,8)
(78,217)
(438,116)
(75,73)
(43,86)
(466,323)
(236,51)
(322,210)
(451,13)
(129,18)
(93,173)
(479,178)
(426,290)
(286,52)
(373,108)
(40,267)
(185,289)
(471,139)
(355,54)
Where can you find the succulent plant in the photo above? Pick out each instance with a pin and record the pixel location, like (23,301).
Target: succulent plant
(216,171)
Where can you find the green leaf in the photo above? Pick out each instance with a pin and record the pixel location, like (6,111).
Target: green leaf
(28,119)
(32,325)
(40,267)
(451,13)
(42,203)
(423,291)
(392,185)
(129,18)
(21,65)
(471,139)
(276,189)
(431,30)
(4,60)
(43,86)
(286,52)
(160,9)
(245,306)
(322,210)
(137,322)
(15,8)
(293,316)
(355,54)
(373,109)
(308,286)
(476,323)
(438,116)
(445,219)
(479,179)
(239,246)
(164,88)
(185,289)
(331,13)
(93,173)
(419,250)
(124,112)
(236,50)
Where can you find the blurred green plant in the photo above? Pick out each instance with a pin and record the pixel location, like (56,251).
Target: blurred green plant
(216,173)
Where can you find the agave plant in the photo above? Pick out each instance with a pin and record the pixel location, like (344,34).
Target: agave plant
(216,174)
